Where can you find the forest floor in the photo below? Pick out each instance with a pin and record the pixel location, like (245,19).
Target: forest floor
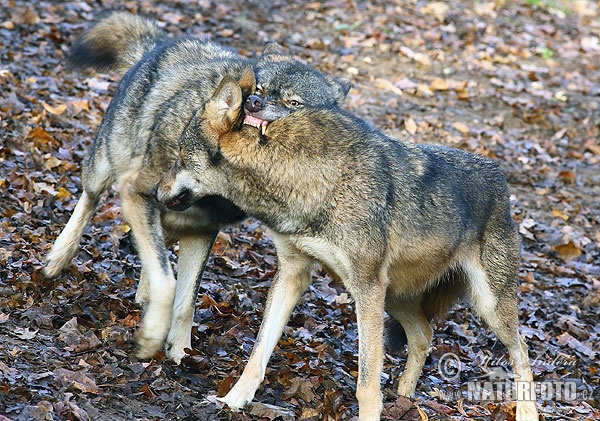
(518,82)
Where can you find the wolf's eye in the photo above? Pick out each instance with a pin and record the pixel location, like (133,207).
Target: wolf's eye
(295,103)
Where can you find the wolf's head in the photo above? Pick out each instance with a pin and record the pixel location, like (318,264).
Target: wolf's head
(285,85)
(199,170)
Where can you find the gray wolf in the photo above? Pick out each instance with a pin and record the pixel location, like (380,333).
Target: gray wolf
(398,222)
(166,82)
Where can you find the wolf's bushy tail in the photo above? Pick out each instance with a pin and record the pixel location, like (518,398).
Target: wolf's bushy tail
(116,42)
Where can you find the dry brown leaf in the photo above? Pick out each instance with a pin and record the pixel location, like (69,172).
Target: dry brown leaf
(309,413)
(438,10)
(567,251)
(42,138)
(567,177)
(301,388)
(461,127)
(558,214)
(410,125)
(78,380)
(80,105)
(566,339)
(387,85)
(271,412)
(52,162)
(439,85)
(59,109)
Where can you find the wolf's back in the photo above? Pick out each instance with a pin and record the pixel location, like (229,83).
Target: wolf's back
(116,42)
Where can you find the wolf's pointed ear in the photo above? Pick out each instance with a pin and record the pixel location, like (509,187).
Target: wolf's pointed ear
(224,107)
(273,48)
(248,80)
(274,52)
(341,87)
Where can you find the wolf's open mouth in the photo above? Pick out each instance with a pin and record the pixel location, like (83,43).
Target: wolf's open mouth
(256,122)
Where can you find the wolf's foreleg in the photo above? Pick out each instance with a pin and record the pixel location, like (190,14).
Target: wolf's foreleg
(292,278)
(144,218)
(193,255)
(369,315)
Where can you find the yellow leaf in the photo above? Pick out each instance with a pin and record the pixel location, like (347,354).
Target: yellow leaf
(438,10)
(424,89)
(63,193)
(52,162)
(59,109)
(387,85)
(558,214)
(439,85)
(567,251)
(422,415)
(461,127)
(410,125)
(80,105)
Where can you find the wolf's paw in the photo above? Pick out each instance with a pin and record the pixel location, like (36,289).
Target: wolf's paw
(147,346)
(405,389)
(55,265)
(175,352)
(526,411)
(235,403)
(239,396)
(51,270)
(150,338)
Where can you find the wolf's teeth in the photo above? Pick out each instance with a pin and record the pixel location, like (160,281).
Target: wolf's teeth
(263,129)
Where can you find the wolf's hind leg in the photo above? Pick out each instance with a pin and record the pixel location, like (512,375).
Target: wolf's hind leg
(494,297)
(142,295)
(418,331)
(66,245)
(145,222)
(193,255)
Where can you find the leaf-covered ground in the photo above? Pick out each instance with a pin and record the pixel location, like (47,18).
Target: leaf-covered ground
(516,81)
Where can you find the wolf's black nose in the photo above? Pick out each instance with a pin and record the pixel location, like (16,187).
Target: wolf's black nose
(254,103)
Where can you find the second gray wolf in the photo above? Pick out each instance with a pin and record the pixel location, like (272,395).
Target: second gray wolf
(166,82)
(406,227)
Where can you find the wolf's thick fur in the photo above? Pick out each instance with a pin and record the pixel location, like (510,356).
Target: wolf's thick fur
(394,220)
(166,82)
(286,85)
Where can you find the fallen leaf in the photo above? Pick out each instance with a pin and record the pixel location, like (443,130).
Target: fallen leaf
(410,125)
(24,333)
(59,109)
(438,10)
(567,251)
(387,85)
(301,388)
(504,411)
(567,177)
(558,214)
(439,85)
(78,380)
(309,413)
(566,339)
(271,412)
(461,127)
